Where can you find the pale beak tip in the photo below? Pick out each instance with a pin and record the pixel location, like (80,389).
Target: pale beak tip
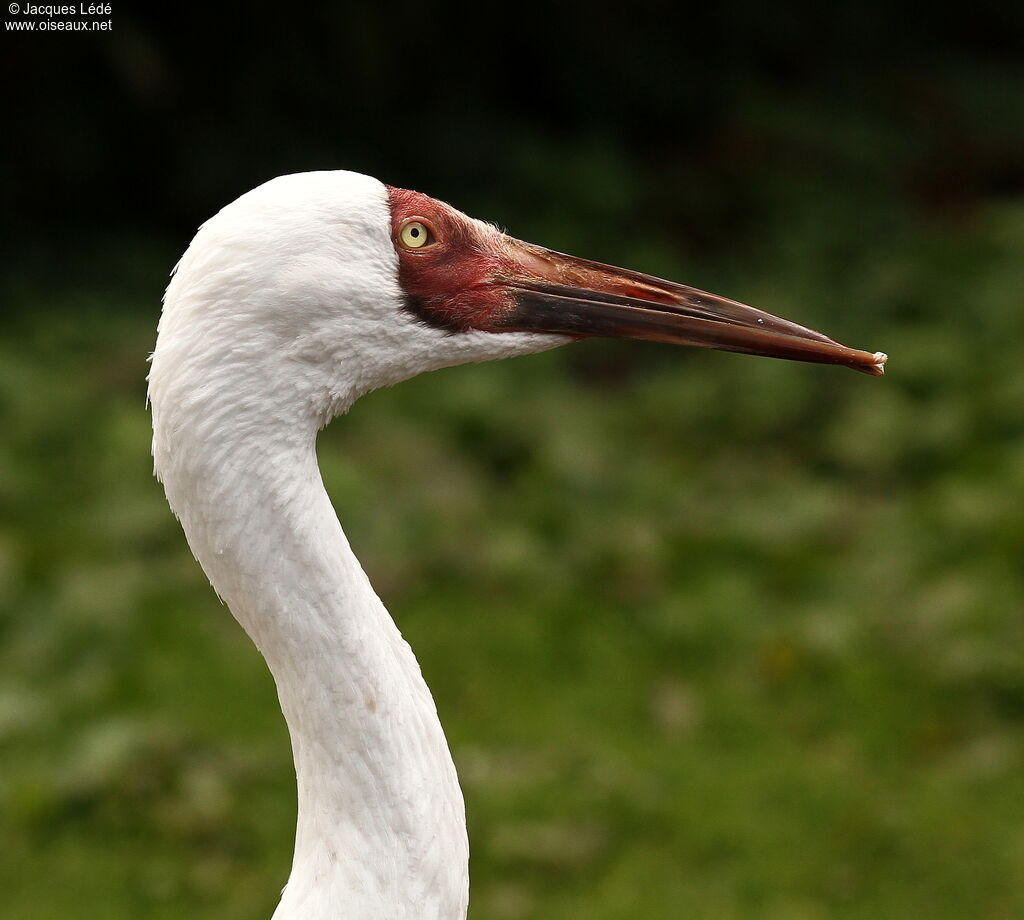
(877,368)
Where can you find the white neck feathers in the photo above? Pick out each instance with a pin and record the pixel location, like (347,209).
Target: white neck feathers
(381,825)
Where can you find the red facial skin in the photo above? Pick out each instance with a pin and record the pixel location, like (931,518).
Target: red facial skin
(450,281)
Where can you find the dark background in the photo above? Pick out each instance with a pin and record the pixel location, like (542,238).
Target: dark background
(711,636)
(717,120)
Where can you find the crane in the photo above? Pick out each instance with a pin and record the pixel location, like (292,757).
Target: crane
(290,303)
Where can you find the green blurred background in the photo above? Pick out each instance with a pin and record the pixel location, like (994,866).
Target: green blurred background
(711,636)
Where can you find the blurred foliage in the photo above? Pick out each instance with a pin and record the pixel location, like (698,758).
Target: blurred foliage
(711,636)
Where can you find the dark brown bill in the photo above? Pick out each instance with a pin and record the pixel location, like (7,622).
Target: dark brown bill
(562,294)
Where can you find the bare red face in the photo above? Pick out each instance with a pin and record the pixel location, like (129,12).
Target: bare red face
(460,274)
(446,262)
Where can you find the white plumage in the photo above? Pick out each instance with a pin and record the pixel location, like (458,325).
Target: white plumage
(283,311)
(288,305)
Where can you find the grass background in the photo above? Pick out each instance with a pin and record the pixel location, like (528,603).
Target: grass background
(711,636)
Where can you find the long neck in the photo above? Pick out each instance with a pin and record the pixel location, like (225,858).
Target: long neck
(381,826)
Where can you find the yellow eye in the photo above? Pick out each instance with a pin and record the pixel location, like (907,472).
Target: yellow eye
(415,235)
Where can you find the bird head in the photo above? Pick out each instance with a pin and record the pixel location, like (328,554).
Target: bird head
(326,285)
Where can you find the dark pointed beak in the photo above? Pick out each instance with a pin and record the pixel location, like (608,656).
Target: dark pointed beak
(556,293)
